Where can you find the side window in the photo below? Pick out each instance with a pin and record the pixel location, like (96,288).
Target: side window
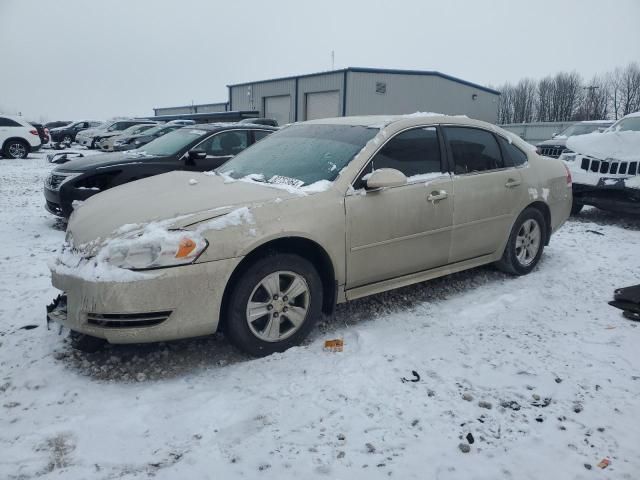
(513,156)
(260,134)
(413,152)
(473,150)
(7,122)
(225,144)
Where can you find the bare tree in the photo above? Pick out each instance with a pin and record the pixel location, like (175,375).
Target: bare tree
(524,95)
(544,99)
(595,100)
(505,104)
(566,95)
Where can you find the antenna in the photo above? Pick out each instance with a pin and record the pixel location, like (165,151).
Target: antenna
(333,59)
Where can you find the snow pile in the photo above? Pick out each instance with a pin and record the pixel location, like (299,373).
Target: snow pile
(615,145)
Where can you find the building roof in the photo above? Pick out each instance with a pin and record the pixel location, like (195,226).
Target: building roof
(192,105)
(432,73)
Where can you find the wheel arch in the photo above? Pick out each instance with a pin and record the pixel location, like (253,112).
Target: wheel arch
(544,209)
(20,139)
(304,247)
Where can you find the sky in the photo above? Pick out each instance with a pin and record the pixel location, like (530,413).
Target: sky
(74,59)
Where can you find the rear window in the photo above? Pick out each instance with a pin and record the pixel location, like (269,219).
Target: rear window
(513,156)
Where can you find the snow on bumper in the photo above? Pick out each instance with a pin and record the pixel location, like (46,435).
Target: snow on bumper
(185,299)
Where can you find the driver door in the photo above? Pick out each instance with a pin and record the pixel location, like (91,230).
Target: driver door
(406,229)
(220,148)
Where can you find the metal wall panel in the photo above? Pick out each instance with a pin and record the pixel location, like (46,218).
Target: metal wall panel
(412,93)
(251,96)
(537,131)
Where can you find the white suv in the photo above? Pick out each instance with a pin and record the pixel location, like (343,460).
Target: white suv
(17,137)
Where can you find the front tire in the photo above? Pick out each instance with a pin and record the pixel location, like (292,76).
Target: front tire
(526,243)
(67,139)
(274,304)
(16,149)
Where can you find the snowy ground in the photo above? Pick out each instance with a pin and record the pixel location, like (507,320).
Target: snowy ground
(539,370)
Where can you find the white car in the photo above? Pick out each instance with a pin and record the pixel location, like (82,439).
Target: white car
(17,137)
(606,167)
(90,137)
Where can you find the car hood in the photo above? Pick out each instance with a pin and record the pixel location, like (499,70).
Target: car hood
(185,197)
(562,141)
(83,164)
(614,145)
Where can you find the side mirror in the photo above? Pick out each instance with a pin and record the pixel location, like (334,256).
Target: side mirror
(386,177)
(197,154)
(554,134)
(601,129)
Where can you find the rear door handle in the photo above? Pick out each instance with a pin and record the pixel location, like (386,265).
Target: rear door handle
(512,183)
(436,196)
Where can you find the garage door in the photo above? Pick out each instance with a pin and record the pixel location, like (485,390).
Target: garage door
(323,105)
(278,108)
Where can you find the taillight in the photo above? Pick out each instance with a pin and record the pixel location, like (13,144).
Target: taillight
(33,132)
(569,179)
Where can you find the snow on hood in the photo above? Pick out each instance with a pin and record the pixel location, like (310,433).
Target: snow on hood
(168,196)
(616,145)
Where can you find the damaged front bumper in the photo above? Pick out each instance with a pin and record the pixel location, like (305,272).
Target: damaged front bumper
(609,194)
(172,303)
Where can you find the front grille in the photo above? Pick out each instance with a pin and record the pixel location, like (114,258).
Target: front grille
(609,167)
(127,320)
(553,151)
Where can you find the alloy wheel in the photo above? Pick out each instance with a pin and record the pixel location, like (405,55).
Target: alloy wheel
(278,306)
(528,242)
(18,150)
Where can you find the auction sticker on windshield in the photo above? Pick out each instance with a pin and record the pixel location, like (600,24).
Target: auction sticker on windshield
(294,182)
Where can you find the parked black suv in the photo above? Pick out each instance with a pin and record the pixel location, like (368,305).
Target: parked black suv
(67,134)
(198,148)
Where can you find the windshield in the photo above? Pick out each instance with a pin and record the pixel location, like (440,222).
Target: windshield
(629,124)
(138,128)
(580,129)
(173,142)
(300,154)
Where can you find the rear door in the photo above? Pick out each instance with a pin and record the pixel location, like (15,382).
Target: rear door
(487,192)
(401,230)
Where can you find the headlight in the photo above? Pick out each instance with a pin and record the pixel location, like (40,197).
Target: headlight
(137,142)
(153,249)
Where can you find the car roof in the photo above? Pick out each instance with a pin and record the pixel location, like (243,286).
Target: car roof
(228,126)
(381,121)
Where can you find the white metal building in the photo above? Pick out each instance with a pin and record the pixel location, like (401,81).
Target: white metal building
(363,91)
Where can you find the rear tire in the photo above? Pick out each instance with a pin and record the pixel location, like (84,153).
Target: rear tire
(526,243)
(274,304)
(15,149)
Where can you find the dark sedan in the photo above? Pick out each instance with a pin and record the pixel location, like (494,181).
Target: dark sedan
(199,148)
(67,133)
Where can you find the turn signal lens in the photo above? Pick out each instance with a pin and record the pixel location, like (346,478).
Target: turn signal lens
(185,248)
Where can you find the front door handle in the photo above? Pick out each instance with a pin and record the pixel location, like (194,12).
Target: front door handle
(437,195)
(512,183)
